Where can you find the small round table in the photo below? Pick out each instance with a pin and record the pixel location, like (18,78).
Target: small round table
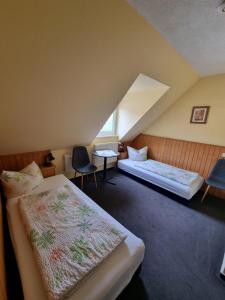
(105,154)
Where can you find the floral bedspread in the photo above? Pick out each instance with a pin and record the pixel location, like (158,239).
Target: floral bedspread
(69,238)
(182,176)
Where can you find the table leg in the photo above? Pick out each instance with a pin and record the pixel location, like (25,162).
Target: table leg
(104,177)
(105,169)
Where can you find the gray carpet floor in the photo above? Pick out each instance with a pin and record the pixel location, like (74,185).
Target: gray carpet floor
(184,243)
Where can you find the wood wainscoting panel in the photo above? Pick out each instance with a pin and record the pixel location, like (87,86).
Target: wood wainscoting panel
(16,162)
(188,155)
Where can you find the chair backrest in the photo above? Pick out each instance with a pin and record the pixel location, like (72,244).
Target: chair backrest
(218,170)
(80,157)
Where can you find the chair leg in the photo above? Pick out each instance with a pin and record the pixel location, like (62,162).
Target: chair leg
(75,174)
(82,181)
(206,191)
(95,180)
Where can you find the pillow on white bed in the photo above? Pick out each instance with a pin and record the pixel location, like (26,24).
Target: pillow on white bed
(19,183)
(138,155)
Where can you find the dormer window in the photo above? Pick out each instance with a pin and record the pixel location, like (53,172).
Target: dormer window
(109,128)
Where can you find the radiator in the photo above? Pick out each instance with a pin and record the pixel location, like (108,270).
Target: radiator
(68,163)
(99,161)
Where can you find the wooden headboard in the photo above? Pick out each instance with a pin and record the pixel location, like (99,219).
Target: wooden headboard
(16,162)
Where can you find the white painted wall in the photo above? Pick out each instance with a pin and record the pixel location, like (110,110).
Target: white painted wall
(175,122)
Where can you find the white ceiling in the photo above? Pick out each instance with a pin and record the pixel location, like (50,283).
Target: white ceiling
(194,27)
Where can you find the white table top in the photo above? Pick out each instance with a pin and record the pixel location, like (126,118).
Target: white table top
(105,153)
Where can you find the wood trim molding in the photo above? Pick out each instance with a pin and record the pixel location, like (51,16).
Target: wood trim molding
(197,157)
(3,292)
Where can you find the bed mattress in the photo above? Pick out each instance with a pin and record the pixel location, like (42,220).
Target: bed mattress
(105,282)
(182,190)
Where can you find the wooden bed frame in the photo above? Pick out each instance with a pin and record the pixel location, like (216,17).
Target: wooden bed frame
(14,162)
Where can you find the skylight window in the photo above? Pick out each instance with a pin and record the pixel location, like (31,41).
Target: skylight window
(109,128)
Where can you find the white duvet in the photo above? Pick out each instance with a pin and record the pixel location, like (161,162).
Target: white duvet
(179,175)
(69,238)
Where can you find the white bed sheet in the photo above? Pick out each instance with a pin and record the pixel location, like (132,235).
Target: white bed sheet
(182,190)
(105,282)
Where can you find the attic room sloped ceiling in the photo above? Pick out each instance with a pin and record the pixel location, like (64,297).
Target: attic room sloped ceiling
(66,65)
(194,28)
(144,93)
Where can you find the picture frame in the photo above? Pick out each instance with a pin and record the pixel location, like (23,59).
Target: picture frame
(199,114)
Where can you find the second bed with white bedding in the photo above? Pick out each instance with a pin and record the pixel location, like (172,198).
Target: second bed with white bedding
(105,282)
(186,191)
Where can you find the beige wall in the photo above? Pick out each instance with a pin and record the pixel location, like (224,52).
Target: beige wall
(66,64)
(175,122)
(141,96)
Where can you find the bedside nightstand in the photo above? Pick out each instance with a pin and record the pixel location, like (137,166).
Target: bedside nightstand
(48,171)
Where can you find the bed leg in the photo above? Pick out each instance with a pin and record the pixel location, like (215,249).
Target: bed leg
(206,191)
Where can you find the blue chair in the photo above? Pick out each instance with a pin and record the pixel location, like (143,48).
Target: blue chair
(216,178)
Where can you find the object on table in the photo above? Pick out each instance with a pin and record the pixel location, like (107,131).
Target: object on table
(48,159)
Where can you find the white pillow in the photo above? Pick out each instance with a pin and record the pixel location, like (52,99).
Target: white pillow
(19,183)
(138,155)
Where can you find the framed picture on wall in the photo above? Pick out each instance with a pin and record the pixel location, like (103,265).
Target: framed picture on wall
(199,114)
